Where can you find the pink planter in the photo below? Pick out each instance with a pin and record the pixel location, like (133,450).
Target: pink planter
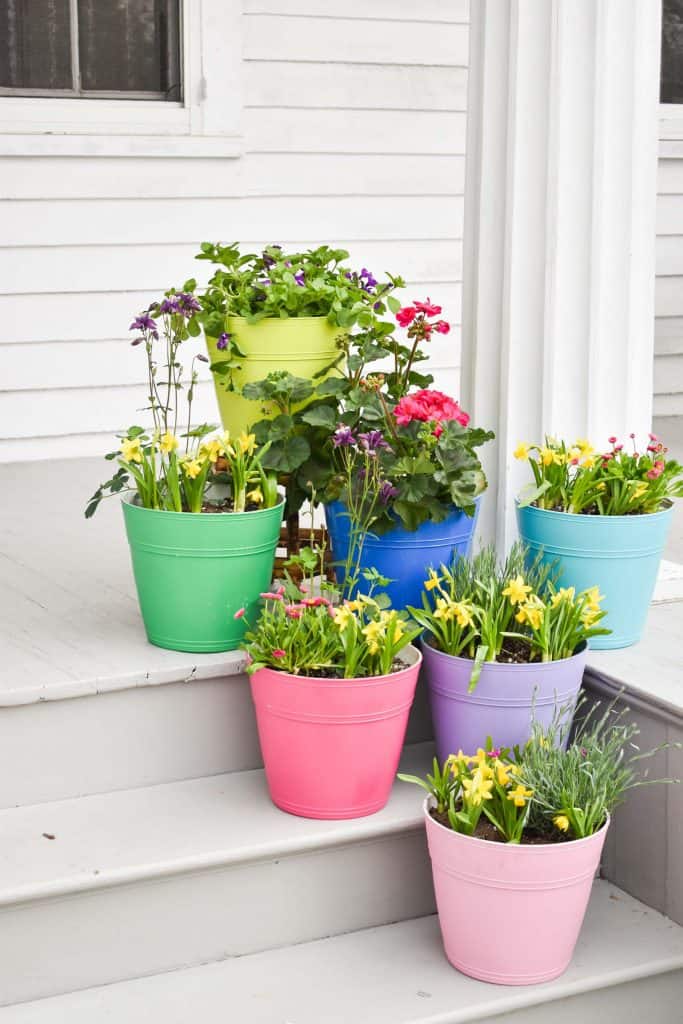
(331,746)
(511,914)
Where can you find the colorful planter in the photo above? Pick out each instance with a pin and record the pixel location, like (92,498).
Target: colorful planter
(194,571)
(302,345)
(331,746)
(618,554)
(401,555)
(510,914)
(506,700)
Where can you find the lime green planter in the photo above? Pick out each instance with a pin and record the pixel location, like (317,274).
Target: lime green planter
(193,572)
(302,345)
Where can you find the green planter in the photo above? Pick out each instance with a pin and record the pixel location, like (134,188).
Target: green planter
(302,345)
(193,572)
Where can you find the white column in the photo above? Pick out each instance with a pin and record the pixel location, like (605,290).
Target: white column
(558,317)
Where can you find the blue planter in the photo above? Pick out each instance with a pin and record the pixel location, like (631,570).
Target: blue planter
(618,554)
(402,555)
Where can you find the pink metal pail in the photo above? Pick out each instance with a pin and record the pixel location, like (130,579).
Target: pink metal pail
(511,914)
(331,747)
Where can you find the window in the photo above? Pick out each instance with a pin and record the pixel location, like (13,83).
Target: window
(671,78)
(156,78)
(91,48)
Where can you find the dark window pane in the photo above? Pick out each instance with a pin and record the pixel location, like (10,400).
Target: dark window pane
(671,85)
(35,44)
(129,45)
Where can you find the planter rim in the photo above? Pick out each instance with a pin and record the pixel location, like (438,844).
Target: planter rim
(372,538)
(584,518)
(516,849)
(128,498)
(498,666)
(281,319)
(357,681)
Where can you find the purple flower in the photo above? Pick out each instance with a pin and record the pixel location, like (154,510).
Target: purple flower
(170,306)
(145,323)
(188,303)
(387,491)
(348,275)
(368,281)
(373,442)
(268,261)
(222,342)
(299,278)
(342,436)
(377,307)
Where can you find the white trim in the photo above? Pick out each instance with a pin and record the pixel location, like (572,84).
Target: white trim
(206,123)
(670,122)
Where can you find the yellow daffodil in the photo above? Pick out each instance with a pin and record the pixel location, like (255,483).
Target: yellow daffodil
(247,443)
(255,495)
(563,594)
(392,625)
(588,462)
(550,456)
(589,616)
(639,491)
(353,606)
(168,443)
(191,467)
(131,451)
(561,821)
(593,598)
(584,446)
(532,613)
(342,616)
(226,445)
(522,451)
(477,788)
(573,453)
(373,633)
(444,609)
(602,486)
(458,761)
(503,772)
(463,614)
(519,795)
(433,581)
(213,449)
(517,590)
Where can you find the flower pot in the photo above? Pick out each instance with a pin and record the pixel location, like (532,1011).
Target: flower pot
(331,746)
(506,700)
(302,345)
(618,554)
(401,555)
(510,914)
(194,571)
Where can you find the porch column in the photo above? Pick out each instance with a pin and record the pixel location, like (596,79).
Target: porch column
(558,317)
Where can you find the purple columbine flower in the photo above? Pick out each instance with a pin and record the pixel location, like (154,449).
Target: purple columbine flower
(343,436)
(387,491)
(299,278)
(188,303)
(348,275)
(223,340)
(145,323)
(373,442)
(170,305)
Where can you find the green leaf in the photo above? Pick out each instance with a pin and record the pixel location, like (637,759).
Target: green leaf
(320,416)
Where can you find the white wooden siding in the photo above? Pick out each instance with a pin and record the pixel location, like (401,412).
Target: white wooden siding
(354,133)
(668,371)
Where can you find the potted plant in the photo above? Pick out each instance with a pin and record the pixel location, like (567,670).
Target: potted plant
(332,684)
(502,646)
(515,842)
(202,515)
(604,518)
(277,311)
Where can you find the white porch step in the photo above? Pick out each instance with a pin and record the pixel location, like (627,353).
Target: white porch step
(628,967)
(119,885)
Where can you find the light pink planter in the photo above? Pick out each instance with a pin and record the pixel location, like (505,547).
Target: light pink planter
(511,914)
(331,747)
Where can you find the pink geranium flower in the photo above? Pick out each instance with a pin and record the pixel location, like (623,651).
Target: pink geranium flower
(279,653)
(429,407)
(406,315)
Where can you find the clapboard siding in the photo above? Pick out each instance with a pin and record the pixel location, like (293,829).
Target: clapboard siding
(354,128)
(668,369)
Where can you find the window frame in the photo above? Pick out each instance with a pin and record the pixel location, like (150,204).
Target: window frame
(206,123)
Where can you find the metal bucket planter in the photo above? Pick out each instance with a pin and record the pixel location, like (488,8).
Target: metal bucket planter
(511,914)
(506,700)
(193,572)
(331,747)
(618,554)
(401,555)
(302,345)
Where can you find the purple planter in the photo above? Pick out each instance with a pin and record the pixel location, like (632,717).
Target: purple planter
(506,700)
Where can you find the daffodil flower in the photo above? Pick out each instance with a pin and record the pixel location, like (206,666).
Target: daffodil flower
(131,450)
(256,495)
(561,821)
(168,443)
(433,581)
(519,795)
(191,467)
(522,451)
(247,443)
(517,590)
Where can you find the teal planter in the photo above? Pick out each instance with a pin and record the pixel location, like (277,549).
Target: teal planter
(193,572)
(618,554)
